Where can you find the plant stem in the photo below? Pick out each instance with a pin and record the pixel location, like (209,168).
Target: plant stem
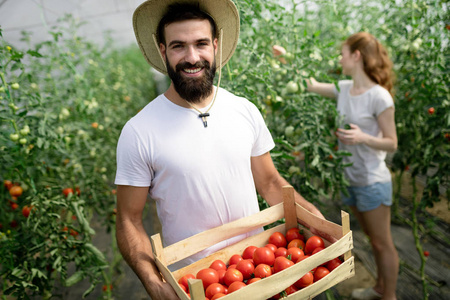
(415,229)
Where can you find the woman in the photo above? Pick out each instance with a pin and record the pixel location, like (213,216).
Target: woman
(367,106)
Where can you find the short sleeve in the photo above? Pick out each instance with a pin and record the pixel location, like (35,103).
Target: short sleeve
(264,141)
(133,167)
(383,101)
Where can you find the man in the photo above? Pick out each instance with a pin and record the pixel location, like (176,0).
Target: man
(199,151)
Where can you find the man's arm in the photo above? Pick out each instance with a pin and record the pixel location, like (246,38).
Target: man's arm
(134,243)
(269,183)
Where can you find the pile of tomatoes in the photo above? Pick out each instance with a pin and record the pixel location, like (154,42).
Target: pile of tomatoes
(257,263)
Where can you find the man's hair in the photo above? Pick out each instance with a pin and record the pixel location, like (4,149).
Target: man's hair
(181,12)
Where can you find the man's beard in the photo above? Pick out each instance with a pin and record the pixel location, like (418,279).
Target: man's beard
(193,90)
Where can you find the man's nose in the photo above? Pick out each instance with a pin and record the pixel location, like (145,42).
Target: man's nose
(192,56)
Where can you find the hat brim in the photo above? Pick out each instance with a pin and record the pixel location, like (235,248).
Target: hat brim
(148,15)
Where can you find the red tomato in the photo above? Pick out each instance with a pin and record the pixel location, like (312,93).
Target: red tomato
(182,287)
(213,289)
(208,276)
(306,280)
(320,273)
(67,191)
(263,271)
(246,267)
(296,243)
(281,263)
(232,275)
(218,295)
(26,211)
(318,249)
(431,110)
(281,252)
(312,243)
(15,191)
(263,255)
(290,290)
(426,253)
(294,233)
(248,252)
(8,184)
(13,205)
(271,247)
(218,265)
(233,266)
(234,259)
(295,253)
(333,264)
(235,286)
(254,279)
(221,275)
(278,239)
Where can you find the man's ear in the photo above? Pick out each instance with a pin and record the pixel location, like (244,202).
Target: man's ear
(162,49)
(215,46)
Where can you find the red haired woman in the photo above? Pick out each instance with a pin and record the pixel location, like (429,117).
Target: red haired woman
(366,104)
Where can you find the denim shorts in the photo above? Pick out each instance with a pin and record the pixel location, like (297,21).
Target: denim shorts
(369,197)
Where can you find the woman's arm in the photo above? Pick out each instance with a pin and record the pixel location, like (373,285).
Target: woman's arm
(324,89)
(134,243)
(386,122)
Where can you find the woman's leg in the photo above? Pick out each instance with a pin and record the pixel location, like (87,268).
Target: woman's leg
(377,225)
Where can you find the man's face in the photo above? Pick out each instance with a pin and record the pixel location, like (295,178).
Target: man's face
(190,58)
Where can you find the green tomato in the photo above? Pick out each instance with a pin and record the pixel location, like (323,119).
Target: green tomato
(294,169)
(14,137)
(25,130)
(23,141)
(289,131)
(2,89)
(292,87)
(15,86)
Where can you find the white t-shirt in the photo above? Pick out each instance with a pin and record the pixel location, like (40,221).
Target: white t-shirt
(363,110)
(199,177)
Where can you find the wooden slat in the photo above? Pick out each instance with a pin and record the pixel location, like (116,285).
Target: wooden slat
(258,240)
(346,229)
(168,277)
(276,283)
(196,289)
(290,214)
(203,240)
(341,273)
(326,227)
(157,246)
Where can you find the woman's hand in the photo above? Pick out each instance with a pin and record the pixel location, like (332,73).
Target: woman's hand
(310,83)
(352,136)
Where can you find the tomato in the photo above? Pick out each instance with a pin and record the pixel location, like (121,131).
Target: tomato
(221,275)
(281,252)
(232,275)
(13,224)
(320,273)
(294,233)
(281,263)
(182,287)
(312,243)
(246,267)
(290,290)
(67,191)
(254,279)
(296,243)
(14,205)
(8,184)
(271,247)
(208,276)
(262,271)
(426,253)
(26,211)
(213,289)
(292,87)
(235,259)
(15,191)
(248,252)
(218,295)
(233,266)
(333,264)
(236,286)
(431,111)
(306,280)
(278,239)
(263,255)
(218,265)
(318,249)
(295,253)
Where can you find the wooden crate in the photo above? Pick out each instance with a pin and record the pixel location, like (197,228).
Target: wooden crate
(276,283)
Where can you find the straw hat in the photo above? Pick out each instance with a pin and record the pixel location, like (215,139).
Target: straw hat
(147,16)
